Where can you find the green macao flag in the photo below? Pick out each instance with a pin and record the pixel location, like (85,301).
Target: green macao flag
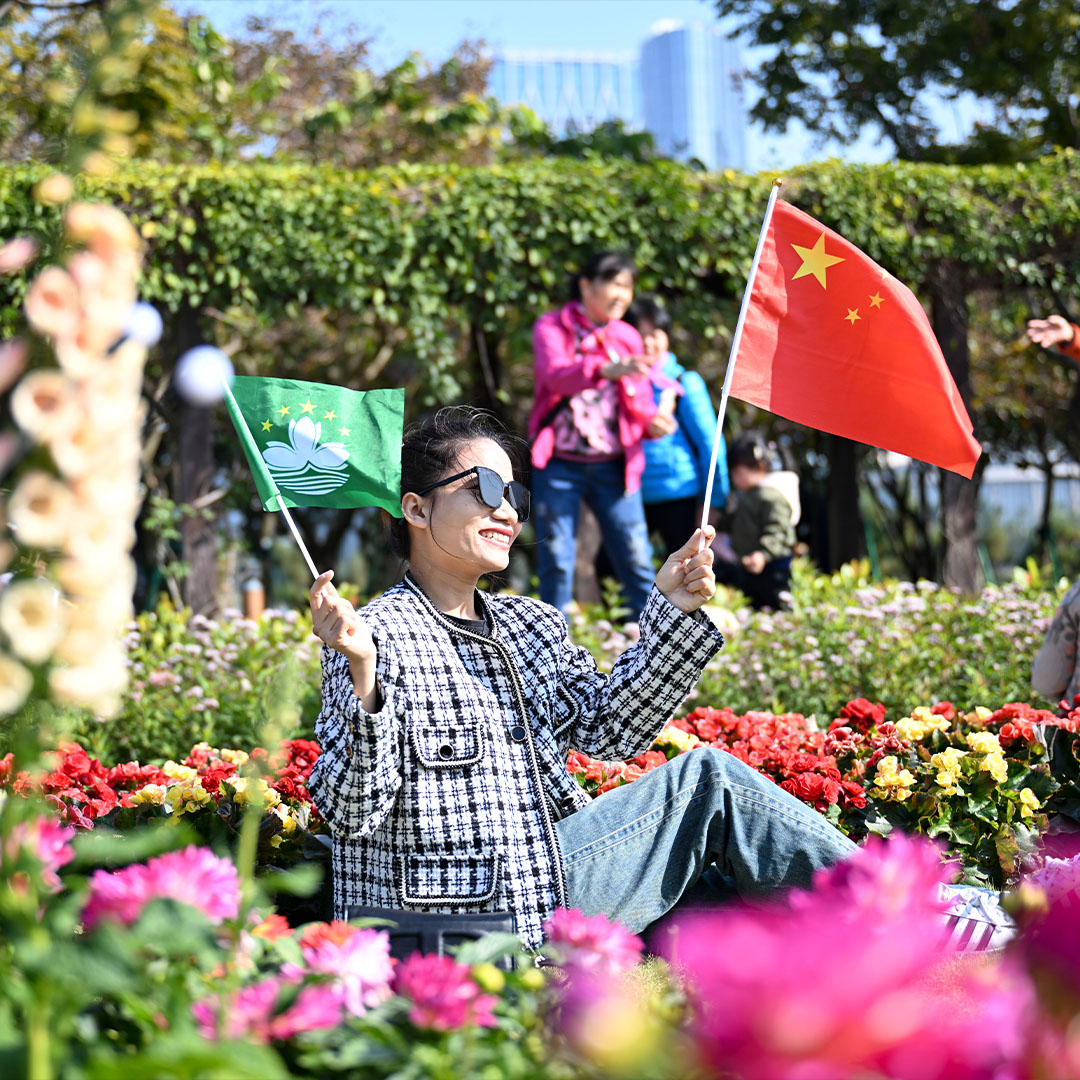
(319,445)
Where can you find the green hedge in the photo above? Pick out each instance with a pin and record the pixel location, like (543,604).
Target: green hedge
(438,250)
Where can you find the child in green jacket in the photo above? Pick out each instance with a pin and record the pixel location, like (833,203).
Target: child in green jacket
(755,554)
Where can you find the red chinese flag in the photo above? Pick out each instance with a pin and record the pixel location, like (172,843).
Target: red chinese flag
(834,342)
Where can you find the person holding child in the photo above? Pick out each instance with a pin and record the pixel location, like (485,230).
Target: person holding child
(592,411)
(448,713)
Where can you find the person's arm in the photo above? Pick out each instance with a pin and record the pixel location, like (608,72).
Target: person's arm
(619,715)
(558,367)
(360,727)
(698,420)
(1055,666)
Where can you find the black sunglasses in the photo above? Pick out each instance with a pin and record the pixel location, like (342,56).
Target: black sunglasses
(493,490)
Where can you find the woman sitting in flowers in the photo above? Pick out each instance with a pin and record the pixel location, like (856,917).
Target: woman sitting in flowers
(448,714)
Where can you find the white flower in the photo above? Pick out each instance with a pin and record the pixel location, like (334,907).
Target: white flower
(44,405)
(52,303)
(32,618)
(40,511)
(15,684)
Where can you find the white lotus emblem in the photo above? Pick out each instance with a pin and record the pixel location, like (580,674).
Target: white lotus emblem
(302,465)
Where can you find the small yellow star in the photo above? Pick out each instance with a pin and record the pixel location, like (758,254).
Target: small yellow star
(284,410)
(875,300)
(307,406)
(815,260)
(266,425)
(852,315)
(330,415)
(344,432)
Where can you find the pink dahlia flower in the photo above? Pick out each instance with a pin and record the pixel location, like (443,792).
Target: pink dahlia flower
(594,945)
(194,876)
(360,964)
(443,994)
(48,841)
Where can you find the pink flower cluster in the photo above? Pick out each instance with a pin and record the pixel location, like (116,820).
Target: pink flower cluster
(346,971)
(592,945)
(773,1001)
(194,876)
(47,841)
(443,994)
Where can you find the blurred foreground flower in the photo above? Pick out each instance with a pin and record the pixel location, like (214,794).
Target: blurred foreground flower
(849,981)
(444,996)
(590,944)
(194,876)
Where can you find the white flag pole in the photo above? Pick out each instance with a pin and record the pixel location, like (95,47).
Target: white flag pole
(296,535)
(733,355)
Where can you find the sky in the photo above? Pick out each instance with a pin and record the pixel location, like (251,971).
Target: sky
(435,27)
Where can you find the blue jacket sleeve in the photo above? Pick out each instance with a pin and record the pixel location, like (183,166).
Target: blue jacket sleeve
(697,418)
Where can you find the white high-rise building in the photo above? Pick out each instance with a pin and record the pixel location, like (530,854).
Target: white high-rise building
(568,91)
(691,94)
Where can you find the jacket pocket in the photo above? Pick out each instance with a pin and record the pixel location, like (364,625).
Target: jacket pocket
(445,880)
(447,746)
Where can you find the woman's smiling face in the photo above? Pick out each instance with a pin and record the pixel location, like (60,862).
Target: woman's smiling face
(607,300)
(462,528)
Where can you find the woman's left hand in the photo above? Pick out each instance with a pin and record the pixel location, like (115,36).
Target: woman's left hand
(687,578)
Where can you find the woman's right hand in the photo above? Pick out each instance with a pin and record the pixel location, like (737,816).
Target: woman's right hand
(335,621)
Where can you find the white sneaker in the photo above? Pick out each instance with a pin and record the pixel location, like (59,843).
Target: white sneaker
(975,920)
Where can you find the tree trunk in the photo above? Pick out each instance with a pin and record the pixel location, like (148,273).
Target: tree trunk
(948,312)
(198,539)
(846,539)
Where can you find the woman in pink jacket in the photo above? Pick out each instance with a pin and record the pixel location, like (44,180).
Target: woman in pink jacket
(593,407)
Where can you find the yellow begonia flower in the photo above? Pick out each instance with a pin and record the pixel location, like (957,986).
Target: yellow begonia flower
(1029,802)
(187,795)
(949,759)
(996,766)
(264,794)
(920,724)
(673,736)
(950,781)
(237,757)
(154,794)
(984,742)
(982,714)
(892,781)
(175,771)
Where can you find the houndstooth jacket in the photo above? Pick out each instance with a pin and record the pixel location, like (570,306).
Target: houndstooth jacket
(445,799)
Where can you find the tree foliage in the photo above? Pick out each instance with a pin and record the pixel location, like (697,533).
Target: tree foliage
(849,65)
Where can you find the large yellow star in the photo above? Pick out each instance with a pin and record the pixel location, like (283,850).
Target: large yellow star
(875,300)
(815,260)
(344,432)
(307,406)
(266,425)
(852,315)
(330,415)
(284,410)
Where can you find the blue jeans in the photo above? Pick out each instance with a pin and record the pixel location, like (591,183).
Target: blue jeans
(687,830)
(557,492)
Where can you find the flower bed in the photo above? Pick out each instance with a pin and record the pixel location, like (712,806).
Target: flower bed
(982,780)
(172,966)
